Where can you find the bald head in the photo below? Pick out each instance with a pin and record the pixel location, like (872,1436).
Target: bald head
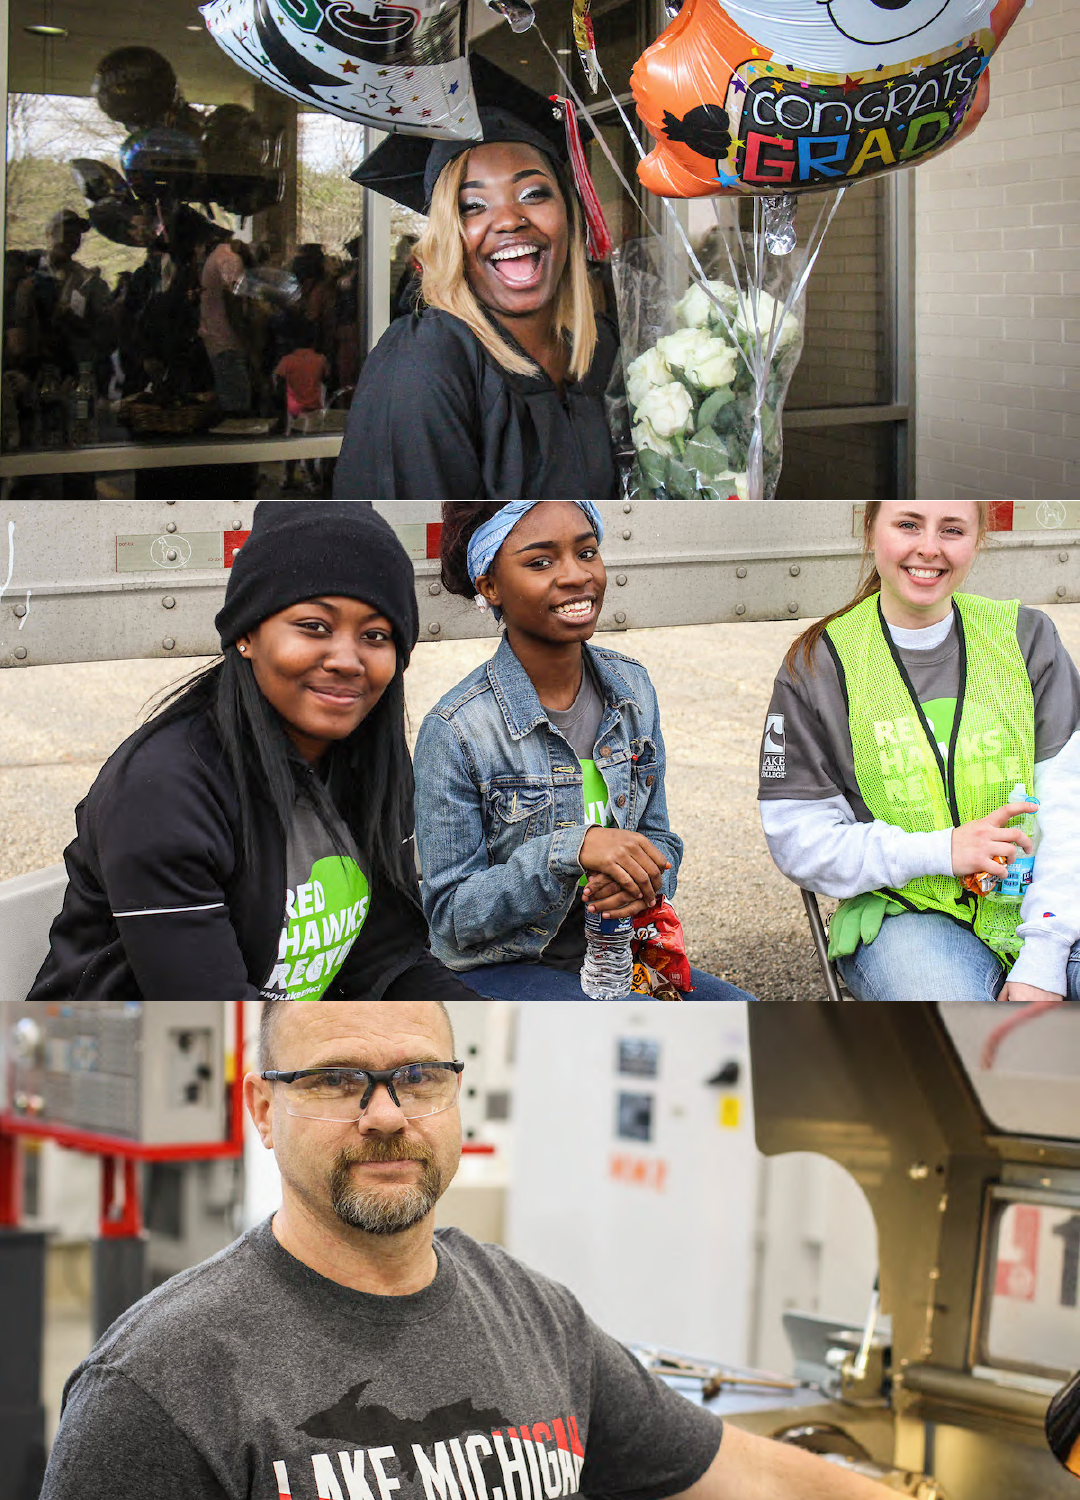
(285,1018)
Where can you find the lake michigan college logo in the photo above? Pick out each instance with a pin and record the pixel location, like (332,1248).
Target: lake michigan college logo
(774,749)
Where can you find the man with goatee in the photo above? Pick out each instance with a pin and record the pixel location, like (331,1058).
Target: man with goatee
(345,1350)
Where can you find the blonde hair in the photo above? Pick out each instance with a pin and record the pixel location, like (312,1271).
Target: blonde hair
(441,253)
(869,583)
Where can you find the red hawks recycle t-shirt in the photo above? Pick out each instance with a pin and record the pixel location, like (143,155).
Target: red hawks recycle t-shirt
(252,1377)
(327,900)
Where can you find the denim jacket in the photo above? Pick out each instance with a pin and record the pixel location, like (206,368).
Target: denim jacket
(500,813)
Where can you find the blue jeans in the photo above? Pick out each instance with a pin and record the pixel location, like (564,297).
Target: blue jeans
(927,956)
(524,981)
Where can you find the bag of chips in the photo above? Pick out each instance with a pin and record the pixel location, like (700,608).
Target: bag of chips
(659,944)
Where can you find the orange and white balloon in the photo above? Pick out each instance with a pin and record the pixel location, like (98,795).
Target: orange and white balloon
(780,96)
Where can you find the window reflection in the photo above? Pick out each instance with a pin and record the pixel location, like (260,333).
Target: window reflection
(175,272)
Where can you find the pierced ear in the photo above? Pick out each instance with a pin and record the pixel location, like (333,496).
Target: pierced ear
(489,590)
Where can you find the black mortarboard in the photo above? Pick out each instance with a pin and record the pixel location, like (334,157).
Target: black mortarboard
(406,167)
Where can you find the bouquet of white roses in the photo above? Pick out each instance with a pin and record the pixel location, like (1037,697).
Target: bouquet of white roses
(692,394)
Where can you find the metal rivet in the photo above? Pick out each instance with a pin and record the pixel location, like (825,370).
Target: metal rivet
(1063,557)
(434,628)
(1061,591)
(20,653)
(434,588)
(794,570)
(620,800)
(20,610)
(793,608)
(171,555)
(170,525)
(238,523)
(626,536)
(740,609)
(627,509)
(620,579)
(168,602)
(740,572)
(168,643)
(620,617)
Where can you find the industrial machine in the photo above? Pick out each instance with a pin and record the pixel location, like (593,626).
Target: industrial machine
(96,1075)
(961,1126)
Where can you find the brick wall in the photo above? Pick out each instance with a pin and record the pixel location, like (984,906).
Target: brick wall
(997,281)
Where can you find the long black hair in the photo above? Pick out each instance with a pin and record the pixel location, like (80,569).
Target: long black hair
(365,779)
(460,519)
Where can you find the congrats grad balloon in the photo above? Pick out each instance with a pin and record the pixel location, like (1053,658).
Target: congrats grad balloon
(777,96)
(400,67)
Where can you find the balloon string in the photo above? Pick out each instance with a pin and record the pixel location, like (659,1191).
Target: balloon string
(614,165)
(758,367)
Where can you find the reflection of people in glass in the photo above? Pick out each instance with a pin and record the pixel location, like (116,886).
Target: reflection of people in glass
(304,373)
(496,388)
(221,327)
(897,730)
(71,298)
(404,278)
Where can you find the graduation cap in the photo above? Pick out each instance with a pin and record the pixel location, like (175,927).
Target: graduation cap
(406,168)
(509,111)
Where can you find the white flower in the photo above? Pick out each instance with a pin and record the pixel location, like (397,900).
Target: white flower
(729,481)
(696,307)
(713,365)
(646,436)
(768,309)
(667,409)
(643,373)
(680,348)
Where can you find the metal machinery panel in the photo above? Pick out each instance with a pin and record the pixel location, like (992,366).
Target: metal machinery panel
(635,1181)
(115,580)
(147,1073)
(887,1096)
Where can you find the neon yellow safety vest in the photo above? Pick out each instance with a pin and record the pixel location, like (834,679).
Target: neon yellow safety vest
(901,773)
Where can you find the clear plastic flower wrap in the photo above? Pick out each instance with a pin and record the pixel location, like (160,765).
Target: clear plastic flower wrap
(707,360)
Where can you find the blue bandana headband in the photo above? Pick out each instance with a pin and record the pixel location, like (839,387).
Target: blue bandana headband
(490,535)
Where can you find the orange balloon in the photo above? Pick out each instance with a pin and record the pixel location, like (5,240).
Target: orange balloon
(782,96)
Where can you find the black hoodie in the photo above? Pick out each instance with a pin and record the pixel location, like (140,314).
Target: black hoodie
(158,908)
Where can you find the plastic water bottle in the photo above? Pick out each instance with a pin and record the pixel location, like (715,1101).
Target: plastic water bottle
(1017,877)
(608,970)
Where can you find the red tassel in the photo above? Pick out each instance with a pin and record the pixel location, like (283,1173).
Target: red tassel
(598,236)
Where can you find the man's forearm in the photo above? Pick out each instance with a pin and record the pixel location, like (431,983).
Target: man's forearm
(747,1467)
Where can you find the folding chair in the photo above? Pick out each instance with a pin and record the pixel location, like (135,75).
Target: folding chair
(834,985)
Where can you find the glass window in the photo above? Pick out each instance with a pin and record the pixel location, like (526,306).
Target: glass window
(1033,1306)
(181,261)
(845,357)
(847,462)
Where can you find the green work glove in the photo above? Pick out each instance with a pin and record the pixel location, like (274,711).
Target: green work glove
(858,920)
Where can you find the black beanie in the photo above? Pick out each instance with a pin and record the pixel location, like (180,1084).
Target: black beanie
(305,549)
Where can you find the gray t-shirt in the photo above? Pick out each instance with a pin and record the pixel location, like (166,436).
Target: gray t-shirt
(579,725)
(251,1377)
(806,749)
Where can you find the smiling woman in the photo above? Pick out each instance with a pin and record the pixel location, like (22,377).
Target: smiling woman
(540,777)
(899,730)
(253,838)
(496,387)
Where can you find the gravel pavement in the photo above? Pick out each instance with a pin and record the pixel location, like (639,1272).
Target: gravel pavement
(742,919)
